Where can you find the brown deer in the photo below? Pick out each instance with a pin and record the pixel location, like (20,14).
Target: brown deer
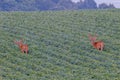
(99,45)
(23,47)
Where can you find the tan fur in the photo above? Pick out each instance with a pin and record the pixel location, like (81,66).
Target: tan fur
(23,47)
(99,45)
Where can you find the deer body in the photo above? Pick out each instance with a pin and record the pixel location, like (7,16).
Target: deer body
(23,47)
(99,45)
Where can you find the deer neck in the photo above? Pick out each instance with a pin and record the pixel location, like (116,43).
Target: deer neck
(20,45)
(93,43)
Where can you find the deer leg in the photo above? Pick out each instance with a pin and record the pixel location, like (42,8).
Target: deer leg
(22,51)
(101,48)
(26,52)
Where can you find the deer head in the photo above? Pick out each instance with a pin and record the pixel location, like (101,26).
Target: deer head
(19,43)
(92,38)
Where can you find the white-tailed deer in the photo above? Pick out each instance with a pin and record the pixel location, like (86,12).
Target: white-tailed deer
(99,45)
(23,47)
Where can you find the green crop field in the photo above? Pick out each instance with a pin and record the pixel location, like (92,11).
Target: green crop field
(59,48)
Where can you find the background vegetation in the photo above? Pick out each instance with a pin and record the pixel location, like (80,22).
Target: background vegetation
(40,5)
(59,48)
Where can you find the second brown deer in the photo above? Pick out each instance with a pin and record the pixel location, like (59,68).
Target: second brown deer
(23,47)
(99,45)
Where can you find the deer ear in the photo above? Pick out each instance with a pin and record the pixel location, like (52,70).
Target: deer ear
(95,37)
(22,40)
(15,41)
(90,36)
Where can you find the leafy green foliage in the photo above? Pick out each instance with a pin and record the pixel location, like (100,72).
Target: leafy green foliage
(59,48)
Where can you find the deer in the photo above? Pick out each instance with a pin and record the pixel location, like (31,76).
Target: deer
(99,45)
(23,47)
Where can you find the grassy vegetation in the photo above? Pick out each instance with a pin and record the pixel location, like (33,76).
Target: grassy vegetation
(59,46)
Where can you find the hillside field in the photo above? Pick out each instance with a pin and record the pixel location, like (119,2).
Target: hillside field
(59,48)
